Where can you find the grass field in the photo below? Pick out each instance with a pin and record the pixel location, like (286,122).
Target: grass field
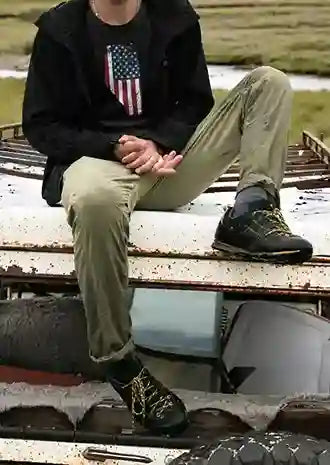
(16,24)
(11,92)
(292,35)
(311,109)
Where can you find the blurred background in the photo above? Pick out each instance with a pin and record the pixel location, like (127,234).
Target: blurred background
(292,35)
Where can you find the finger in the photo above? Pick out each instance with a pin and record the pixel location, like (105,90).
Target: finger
(169,156)
(148,165)
(170,162)
(127,138)
(160,163)
(131,157)
(133,146)
(140,161)
(173,162)
(172,154)
(165,172)
(169,167)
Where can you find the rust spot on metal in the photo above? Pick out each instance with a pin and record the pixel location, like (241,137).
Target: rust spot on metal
(14,270)
(50,248)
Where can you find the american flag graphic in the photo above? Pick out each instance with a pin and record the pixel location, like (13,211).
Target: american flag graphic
(123,75)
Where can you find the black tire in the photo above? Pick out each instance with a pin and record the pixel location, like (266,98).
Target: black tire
(260,449)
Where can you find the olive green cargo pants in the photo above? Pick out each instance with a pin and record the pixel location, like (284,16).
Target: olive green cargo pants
(98,195)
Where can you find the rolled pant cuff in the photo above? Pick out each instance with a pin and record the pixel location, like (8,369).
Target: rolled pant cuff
(116,356)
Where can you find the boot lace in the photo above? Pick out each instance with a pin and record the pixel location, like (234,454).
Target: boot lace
(275,222)
(147,398)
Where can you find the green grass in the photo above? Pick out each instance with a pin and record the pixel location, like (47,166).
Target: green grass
(23,7)
(15,36)
(291,35)
(11,92)
(16,24)
(311,109)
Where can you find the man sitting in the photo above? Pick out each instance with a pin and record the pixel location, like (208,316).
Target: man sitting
(118,98)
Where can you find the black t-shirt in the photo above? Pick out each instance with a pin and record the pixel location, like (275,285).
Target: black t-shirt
(120,61)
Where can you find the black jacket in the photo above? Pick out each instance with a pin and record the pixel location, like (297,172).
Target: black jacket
(58,113)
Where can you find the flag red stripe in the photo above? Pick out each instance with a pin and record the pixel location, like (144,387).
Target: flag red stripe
(125,96)
(134,97)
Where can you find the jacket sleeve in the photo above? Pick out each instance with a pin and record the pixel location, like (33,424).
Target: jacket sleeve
(191,89)
(51,104)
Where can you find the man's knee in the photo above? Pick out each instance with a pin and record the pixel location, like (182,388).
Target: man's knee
(273,76)
(100,205)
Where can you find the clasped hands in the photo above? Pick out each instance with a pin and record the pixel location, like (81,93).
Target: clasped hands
(143,156)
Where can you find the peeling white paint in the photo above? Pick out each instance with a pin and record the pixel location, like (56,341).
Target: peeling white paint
(22,451)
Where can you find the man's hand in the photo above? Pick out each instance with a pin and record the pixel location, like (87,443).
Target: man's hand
(143,160)
(127,145)
(167,165)
(143,156)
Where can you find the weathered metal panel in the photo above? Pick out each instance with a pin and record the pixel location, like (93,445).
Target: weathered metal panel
(19,192)
(151,232)
(171,248)
(21,451)
(21,169)
(236,276)
(160,233)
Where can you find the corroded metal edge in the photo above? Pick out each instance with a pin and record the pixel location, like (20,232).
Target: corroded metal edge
(189,235)
(311,279)
(46,452)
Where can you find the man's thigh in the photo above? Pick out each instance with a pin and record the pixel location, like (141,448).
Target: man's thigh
(104,182)
(214,147)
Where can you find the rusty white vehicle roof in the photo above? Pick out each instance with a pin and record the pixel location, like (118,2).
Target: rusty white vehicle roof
(183,255)
(34,244)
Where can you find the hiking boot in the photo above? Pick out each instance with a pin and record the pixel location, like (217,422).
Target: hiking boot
(151,404)
(261,234)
